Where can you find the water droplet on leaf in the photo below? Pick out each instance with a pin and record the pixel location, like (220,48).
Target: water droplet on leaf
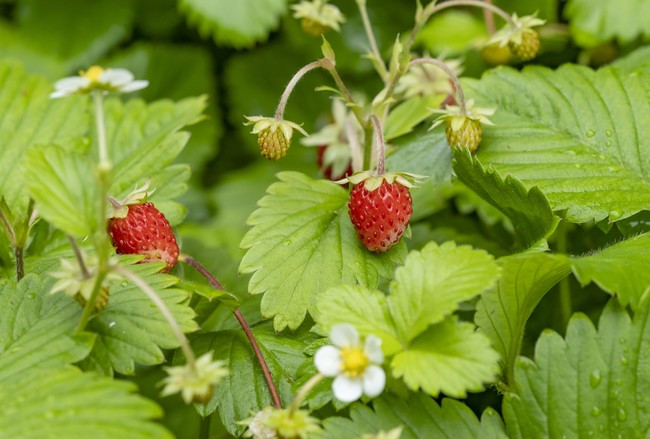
(591,133)
(596,410)
(595,378)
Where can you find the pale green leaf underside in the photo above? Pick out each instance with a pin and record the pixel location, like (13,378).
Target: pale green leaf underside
(65,403)
(63,185)
(434,281)
(528,210)
(131,329)
(593,383)
(596,21)
(620,269)
(449,357)
(36,329)
(29,117)
(238,24)
(503,311)
(420,416)
(578,134)
(301,243)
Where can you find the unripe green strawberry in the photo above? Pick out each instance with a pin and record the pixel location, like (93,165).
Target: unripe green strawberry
(468,135)
(273,144)
(496,54)
(313,27)
(145,231)
(381,215)
(528,48)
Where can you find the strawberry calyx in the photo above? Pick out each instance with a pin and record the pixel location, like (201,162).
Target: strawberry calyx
(120,208)
(372,181)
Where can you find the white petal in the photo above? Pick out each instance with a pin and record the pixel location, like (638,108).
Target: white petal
(347,389)
(60,94)
(71,83)
(344,334)
(328,361)
(134,86)
(373,350)
(374,380)
(116,77)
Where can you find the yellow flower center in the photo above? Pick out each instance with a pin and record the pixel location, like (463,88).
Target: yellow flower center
(354,361)
(93,74)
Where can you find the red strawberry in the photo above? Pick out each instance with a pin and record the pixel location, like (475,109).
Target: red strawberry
(380,216)
(145,231)
(327,171)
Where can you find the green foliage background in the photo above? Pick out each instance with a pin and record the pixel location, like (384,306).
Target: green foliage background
(522,291)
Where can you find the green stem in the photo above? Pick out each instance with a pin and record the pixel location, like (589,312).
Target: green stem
(204,430)
(363,11)
(79,256)
(459,89)
(304,391)
(101,128)
(356,109)
(566,307)
(19,253)
(380,147)
(279,112)
(167,314)
(243,323)
(89,308)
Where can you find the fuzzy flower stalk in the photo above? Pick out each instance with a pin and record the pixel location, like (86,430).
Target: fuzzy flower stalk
(354,364)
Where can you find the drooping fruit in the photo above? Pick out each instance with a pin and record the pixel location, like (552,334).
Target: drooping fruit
(273,144)
(529,46)
(495,54)
(380,215)
(145,231)
(469,133)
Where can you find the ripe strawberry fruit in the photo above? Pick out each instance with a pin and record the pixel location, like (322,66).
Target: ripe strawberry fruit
(380,216)
(145,231)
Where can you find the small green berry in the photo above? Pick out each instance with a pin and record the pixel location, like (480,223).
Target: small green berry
(496,54)
(313,27)
(468,135)
(529,46)
(273,144)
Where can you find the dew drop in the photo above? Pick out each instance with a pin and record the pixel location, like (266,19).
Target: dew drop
(596,410)
(624,360)
(622,414)
(590,133)
(570,152)
(595,378)
(608,133)
(31,296)
(608,143)
(111,324)
(622,341)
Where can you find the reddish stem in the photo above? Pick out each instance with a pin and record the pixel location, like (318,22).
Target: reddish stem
(242,321)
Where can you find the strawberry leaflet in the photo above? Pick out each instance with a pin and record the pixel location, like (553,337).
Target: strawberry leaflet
(301,243)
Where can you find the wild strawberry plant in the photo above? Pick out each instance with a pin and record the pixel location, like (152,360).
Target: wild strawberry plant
(427,245)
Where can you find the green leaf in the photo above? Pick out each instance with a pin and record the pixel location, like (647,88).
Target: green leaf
(65,403)
(143,140)
(239,24)
(36,329)
(574,132)
(528,209)
(432,282)
(420,416)
(64,187)
(29,117)
(53,28)
(502,312)
(404,117)
(449,357)
(638,60)
(596,21)
(592,381)
(131,329)
(244,391)
(620,269)
(301,243)
(365,309)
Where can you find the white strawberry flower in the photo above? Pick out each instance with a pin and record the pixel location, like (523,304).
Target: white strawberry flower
(355,366)
(98,78)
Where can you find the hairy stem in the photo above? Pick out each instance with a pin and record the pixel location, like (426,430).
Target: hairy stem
(379,145)
(167,314)
(89,308)
(19,254)
(304,391)
(566,307)
(79,256)
(458,88)
(488,15)
(363,11)
(279,112)
(356,109)
(101,127)
(245,326)
(204,429)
